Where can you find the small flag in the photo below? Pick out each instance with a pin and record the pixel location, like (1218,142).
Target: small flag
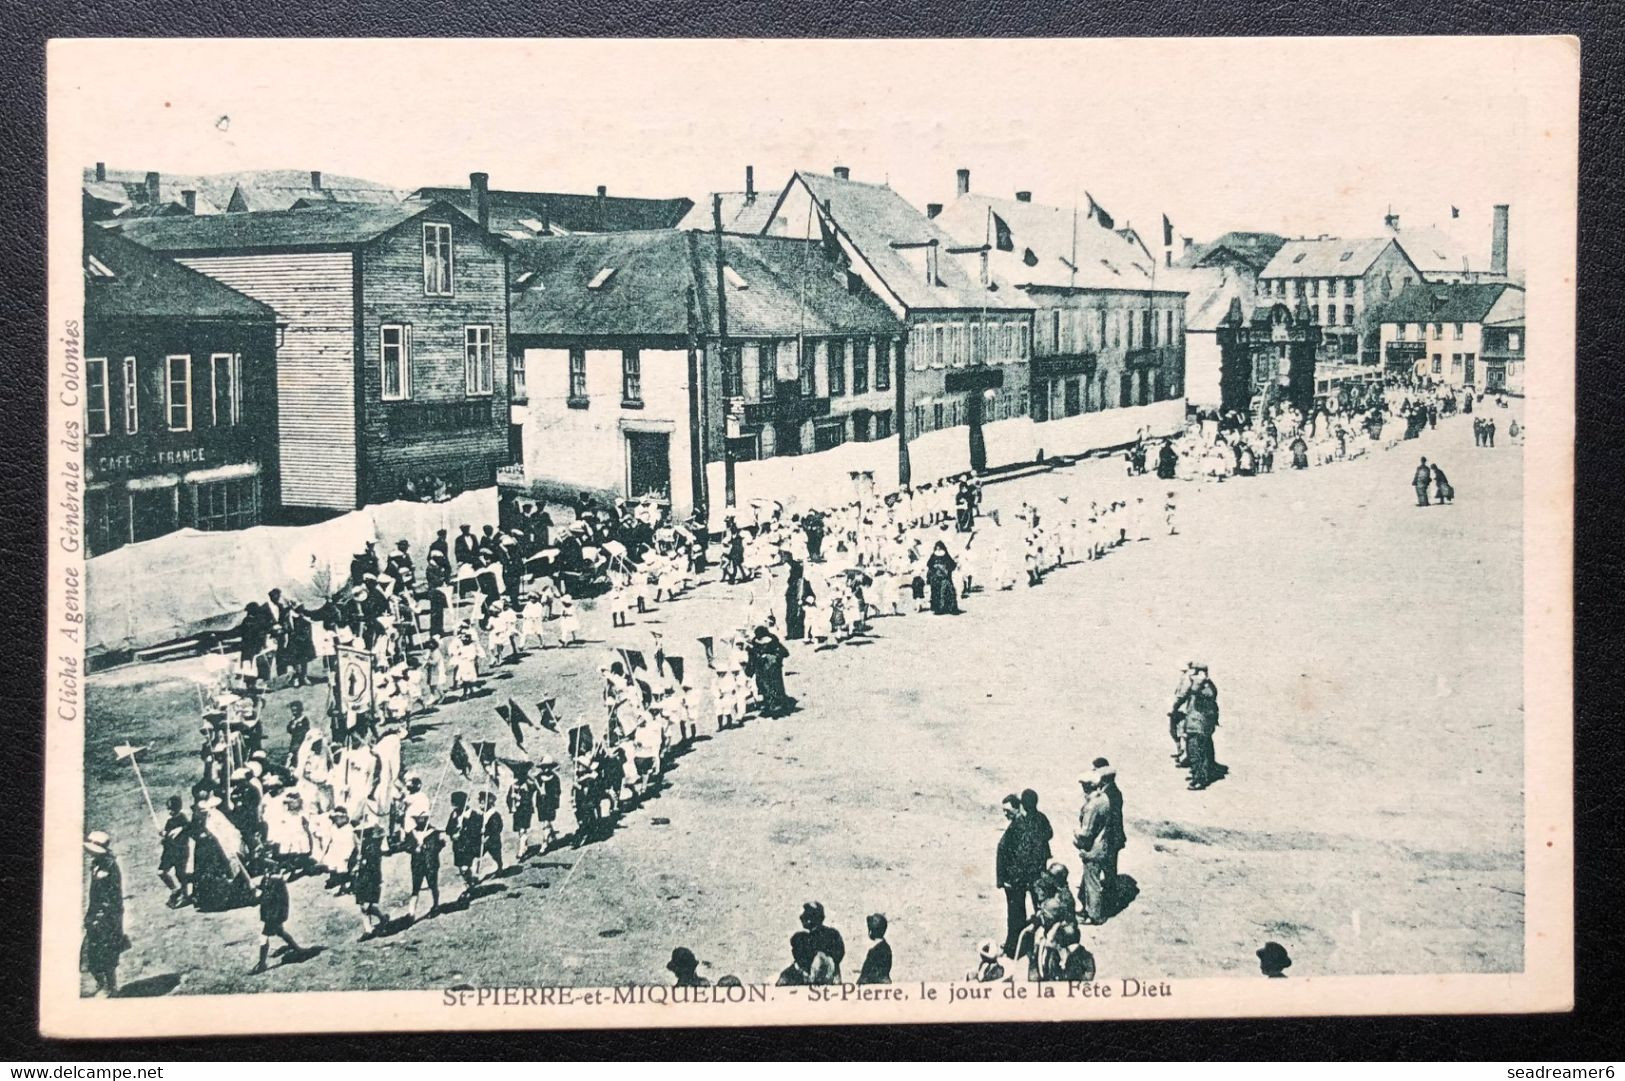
(124,751)
(580,740)
(633,660)
(487,754)
(1455,212)
(675,666)
(1002,239)
(547,718)
(708,643)
(1098,212)
(1167,232)
(516,718)
(459,756)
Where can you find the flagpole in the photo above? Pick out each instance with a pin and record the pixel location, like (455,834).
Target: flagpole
(145,795)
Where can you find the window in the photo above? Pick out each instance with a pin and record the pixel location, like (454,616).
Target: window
(1438,331)
(1170,334)
(1074,399)
(1438,363)
(862,426)
(601,279)
(733,372)
(807,369)
(1100,334)
(974,354)
(836,367)
(1514,342)
(437,259)
(395,361)
(516,377)
(767,371)
(939,346)
(1348,315)
(860,366)
(829,436)
(228,504)
(883,364)
(178,393)
(1130,321)
(1117,329)
(883,424)
(1348,287)
(1023,345)
(1147,328)
(1399,333)
(225,376)
(96,422)
(1455,363)
(1331,315)
(477,360)
(938,415)
(132,410)
(578,378)
(631,377)
(1455,332)
(1314,288)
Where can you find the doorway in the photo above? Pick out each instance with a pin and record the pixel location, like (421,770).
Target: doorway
(648,465)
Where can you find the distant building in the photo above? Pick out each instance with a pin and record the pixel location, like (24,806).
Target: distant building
(1210,291)
(1463,334)
(969,334)
(747,211)
(638,380)
(1338,280)
(180,399)
(391,365)
(1108,333)
(124,193)
(524,215)
(1267,354)
(1247,252)
(1442,258)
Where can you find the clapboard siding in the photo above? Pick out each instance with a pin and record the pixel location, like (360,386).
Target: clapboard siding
(394,451)
(315,364)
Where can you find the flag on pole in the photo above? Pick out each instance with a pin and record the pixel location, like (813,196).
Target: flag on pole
(1098,212)
(708,643)
(633,660)
(1167,232)
(125,751)
(486,751)
(580,740)
(1455,212)
(459,756)
(517,718)
(546,716)
(675,665)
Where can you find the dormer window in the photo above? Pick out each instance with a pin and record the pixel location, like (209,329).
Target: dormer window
(98,269)
(733,278)
(601,279)
(1299,257)
(1345,257)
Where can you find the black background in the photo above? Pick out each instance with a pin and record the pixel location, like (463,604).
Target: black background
(1589,1033)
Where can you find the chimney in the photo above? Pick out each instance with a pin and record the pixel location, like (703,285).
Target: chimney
(189,197)
(479,192)
(152,189)
(315,180)
(1189,243)
(933,209)
(603,210)
(843,173)
(750,184)
(1024,196)
(1498,240)
(101,170)
(931,263)
(964,181)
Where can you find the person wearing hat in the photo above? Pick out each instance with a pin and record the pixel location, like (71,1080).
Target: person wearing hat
(363,563)
(825,939)
(877,963)
(1093,842)
(400,567)
(1273,960)
(104,937)
(465,830)
(174,847)
(988,968)
(273,900)
(367,880)
(1200,717)
(549,798)
(767,656)
(425,843)
(466,547)
(1017,863)
(686,968)
(298,728)
(1106,775)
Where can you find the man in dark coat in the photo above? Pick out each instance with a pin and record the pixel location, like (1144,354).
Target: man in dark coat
(364,562)
(795,598)
(1106,774)
(1017,864)
(400,567)
(439,545)
(1093,841)
(767,656)
(466,831)
(1200,710)
(174,846)
(1420,481)
(466,546)
(104,937)
(823,938)
(425,843)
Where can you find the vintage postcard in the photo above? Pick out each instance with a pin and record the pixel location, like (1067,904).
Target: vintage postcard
(560,534)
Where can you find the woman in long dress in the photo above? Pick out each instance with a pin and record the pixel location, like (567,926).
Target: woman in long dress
(219,880)
(939,576)
(767,656)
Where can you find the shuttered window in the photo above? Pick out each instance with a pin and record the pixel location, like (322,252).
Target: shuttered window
(225,389)
(178,392)
(883,363)
(477,362)
(395,361)
(96,396)
(437,259)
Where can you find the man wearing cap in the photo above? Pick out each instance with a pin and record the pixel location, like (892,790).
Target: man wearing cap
(1106,774)
(1017,863)
(298,728)
(363,563)
(273,899)
(1273,960)
(104,937)
(1176,713)
(173,845)
(1200,711)
(1093,842)
(549,797)
(400,567)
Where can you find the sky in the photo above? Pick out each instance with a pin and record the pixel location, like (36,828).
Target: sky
(1300,137)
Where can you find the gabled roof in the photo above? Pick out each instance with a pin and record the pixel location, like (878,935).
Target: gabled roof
(777,287)
(1254,250)
(125,280)
(563,212)
(333,225)
(250,189)
(1325,258)
(741,213)
(1441,302)
(1209,292)
(1433,250)
(1033,244)
(881,225)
